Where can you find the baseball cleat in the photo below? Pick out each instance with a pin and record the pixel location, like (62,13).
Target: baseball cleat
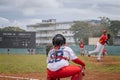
(88,54)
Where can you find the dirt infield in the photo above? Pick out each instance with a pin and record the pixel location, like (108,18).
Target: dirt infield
(89,74)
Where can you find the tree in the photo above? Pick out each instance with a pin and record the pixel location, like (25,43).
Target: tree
(114,27)
(105,22)
(85,29)
(79,29)
(12,28)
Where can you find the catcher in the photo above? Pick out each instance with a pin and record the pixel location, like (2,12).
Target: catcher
(58,61)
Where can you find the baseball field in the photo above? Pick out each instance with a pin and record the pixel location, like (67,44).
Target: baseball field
(33,67)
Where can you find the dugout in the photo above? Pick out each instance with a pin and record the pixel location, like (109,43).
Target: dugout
(17,42)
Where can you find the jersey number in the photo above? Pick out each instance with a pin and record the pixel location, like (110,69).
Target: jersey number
(54,56)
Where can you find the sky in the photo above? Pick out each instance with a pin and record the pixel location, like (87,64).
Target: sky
(25,12)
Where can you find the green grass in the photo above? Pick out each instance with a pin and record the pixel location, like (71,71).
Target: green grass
(22,63)
(37,63)
(110,65)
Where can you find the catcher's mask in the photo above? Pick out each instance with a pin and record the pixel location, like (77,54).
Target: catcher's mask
(58,40)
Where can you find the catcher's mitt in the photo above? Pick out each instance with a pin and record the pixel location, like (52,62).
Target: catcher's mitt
(108,35)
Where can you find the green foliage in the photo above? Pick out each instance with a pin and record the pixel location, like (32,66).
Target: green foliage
(105,22)
(12,28)
(85,29)
(114,28)
(79,29)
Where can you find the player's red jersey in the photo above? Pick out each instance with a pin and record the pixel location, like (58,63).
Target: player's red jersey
(81,45)
(102,39)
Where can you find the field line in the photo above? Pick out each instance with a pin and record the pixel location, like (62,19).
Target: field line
(18,78)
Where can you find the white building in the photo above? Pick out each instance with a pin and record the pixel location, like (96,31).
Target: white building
(48,28)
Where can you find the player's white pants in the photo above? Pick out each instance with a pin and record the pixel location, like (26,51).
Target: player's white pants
(82,50)
(99,48)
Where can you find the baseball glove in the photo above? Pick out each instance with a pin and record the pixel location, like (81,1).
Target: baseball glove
(108,35)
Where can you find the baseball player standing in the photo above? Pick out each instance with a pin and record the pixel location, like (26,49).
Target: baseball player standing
(100,45)
(82,50)
(58,61)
